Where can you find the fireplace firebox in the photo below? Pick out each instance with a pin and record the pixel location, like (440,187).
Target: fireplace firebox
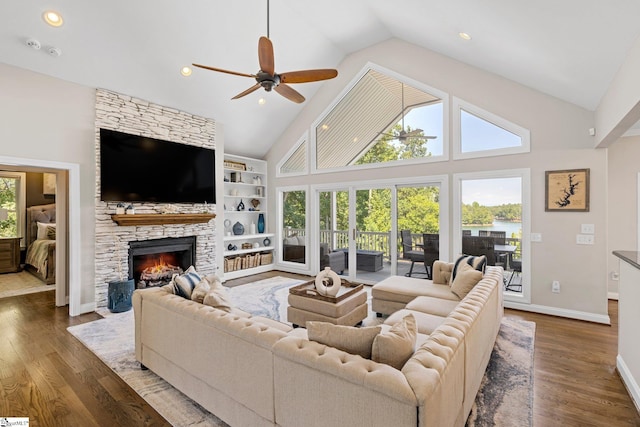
(154,262)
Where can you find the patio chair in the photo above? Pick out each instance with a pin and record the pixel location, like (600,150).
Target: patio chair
(409,253)
(500,238)
(479,245)
(466,232)
(431,248)
(483,232)
(516,266)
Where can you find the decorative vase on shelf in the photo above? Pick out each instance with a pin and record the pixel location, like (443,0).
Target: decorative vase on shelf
(240,205)
(266,241)
(238,228)
(261,223)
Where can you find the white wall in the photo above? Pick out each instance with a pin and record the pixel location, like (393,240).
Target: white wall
(559,140)
(622,199)
(45,118)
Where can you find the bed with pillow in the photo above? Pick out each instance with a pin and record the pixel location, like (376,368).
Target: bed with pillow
(41,242)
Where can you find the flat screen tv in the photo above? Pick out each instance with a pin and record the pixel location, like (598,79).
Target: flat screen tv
(139,169)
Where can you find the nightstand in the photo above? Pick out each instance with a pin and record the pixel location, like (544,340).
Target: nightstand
(10,254)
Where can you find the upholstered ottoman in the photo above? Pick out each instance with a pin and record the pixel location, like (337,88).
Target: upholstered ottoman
(348,311)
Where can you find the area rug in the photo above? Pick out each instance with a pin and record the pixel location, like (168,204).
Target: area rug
(505,398)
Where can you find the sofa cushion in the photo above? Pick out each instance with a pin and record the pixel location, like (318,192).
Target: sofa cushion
(347,338)
(477,262)
(431,305)
(405,289)
(465,280)
(426,323)
(397,345)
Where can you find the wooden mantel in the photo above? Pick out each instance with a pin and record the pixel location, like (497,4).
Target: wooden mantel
(160,219)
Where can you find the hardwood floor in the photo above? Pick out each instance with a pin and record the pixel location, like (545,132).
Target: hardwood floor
(50,377)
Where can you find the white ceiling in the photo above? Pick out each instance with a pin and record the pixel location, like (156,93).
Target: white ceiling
(570,49)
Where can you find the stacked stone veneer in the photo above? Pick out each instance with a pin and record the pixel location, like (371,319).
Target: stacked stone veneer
(126,114)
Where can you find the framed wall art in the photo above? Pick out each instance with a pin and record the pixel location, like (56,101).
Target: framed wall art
(567,190)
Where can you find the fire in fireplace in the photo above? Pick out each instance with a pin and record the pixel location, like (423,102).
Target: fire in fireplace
(154,262)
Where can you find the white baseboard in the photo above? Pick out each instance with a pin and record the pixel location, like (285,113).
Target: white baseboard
(88,307)
(561,312)
(612,295)
(629,382)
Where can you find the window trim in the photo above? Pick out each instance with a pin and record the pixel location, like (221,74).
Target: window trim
(459,105)
(444,96)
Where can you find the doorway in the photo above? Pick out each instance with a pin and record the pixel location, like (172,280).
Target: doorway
(67,178)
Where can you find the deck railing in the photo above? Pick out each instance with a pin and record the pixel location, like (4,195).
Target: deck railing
(377,241)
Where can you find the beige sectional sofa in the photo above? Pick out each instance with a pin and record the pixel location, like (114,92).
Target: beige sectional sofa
(252,371)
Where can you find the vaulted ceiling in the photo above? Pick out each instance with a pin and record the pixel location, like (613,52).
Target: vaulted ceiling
(570,49)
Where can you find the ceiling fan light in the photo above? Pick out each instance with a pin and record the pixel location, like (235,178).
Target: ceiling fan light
(262,101)
(464,36)
(186,71)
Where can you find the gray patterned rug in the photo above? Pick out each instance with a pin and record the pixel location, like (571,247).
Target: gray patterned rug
(505,398)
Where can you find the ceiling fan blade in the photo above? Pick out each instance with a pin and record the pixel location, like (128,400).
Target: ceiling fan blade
(265,56)
(289,93)
(305,76)
(412,133)
(248,91)
(223,71)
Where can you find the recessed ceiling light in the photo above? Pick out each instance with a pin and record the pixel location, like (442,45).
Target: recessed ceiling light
(262,101)
(325,126)
(52,18)
(464,36)
(185,71)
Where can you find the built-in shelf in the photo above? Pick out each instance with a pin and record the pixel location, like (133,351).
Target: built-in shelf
(160,219)
(249,251)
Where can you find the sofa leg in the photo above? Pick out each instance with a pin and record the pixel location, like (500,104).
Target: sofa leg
(378,314)
(143,368)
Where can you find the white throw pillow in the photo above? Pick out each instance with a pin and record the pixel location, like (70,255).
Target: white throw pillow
(43,230)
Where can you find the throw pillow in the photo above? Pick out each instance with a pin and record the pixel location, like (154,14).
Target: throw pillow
(465,280)
(347,338)
(397,345)
(477,262)
(218,298)
(51,232)
(183,284)
(43,230)
(441,272)
(200,291)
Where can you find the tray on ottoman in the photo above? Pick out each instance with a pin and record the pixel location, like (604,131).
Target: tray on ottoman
(308,290)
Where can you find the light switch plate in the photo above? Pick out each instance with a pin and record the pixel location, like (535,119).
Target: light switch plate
(588,229)
(584,239)
(536,237)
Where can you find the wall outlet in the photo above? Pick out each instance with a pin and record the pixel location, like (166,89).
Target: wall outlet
(584,239)
(555,287)
(614,275)
(588,229)
(536,237)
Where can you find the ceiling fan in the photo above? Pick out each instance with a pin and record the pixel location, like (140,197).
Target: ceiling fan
(403,135)
(268,79)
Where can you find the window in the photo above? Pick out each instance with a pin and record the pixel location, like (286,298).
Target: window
(12,204)
(382,118)
(294,162)
(479,133)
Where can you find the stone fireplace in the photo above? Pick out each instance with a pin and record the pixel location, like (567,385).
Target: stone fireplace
(154,262)
(113,242)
